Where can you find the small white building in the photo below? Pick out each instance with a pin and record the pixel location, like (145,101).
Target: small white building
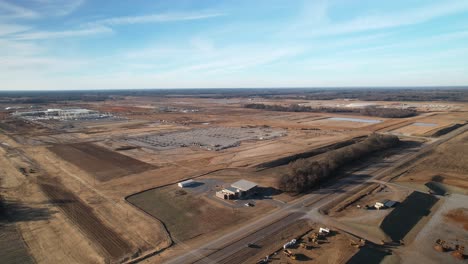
(186,183)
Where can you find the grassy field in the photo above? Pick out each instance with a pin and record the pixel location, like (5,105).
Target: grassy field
(187,216)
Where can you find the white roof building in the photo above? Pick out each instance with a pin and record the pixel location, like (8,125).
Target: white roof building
(186,183)
(244,185)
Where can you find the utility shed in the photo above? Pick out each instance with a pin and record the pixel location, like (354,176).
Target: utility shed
(389,203)
(186,183)
(244,188)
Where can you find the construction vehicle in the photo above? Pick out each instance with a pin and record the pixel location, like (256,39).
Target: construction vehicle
(304,245)
(316,235)
(324,231)
(289,254)
(290,244)
(440,245)
(358,244)
(264,260)
(458,252)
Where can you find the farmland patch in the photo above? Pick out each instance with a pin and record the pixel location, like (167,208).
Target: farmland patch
(104,164)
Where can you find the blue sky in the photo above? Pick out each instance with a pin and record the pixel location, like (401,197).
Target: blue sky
(84,44)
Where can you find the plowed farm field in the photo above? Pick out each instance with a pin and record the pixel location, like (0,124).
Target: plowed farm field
(113,245)
(102,163)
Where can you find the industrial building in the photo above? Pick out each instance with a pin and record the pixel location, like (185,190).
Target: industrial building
(61,114)
(238,190)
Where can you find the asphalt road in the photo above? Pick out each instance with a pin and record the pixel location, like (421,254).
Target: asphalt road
(231,248)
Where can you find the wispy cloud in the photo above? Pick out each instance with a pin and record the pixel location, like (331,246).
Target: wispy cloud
(58,7)
(62,34)
(9,11)
(317,23)
(6,29)
(156,18)
(104,25)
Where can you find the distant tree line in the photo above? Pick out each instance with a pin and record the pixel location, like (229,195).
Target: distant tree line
(368,111)
(303,174)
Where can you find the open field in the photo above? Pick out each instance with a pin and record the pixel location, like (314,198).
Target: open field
(81,214)
(446,167)
(431,125)
(187,216)
(13,248)
(100,162)
(108,188)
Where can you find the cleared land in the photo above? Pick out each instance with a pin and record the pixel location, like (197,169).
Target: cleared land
(445,168)
(104,164)
(459,216)
(91,222)
(407,214)
(334,248)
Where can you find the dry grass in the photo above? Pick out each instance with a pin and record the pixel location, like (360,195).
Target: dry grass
(187,216)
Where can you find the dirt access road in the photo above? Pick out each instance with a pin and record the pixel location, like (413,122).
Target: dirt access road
(225,248)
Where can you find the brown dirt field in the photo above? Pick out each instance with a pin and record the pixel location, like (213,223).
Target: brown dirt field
(82,215)
(134,226)
(413,129)
(335,249)
(459,216)
(47,232)
(440,120)
(447,164)
(17,126)
(104,164)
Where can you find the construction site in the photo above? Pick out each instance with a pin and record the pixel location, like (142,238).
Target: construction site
(202,179)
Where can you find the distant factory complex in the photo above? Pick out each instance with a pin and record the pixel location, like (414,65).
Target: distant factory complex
(62,114)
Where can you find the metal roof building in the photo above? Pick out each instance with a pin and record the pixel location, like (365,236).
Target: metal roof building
(244,185)
(186,183)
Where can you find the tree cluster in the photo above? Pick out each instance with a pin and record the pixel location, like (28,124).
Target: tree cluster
(303,174)
(368,111)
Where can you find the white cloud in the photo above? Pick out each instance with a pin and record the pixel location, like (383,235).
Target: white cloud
(156,18)
(62,34)
(6,29)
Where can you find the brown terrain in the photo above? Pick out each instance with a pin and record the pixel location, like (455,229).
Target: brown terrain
(88,194)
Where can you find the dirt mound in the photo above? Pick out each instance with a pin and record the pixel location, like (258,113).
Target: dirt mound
(459,216)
